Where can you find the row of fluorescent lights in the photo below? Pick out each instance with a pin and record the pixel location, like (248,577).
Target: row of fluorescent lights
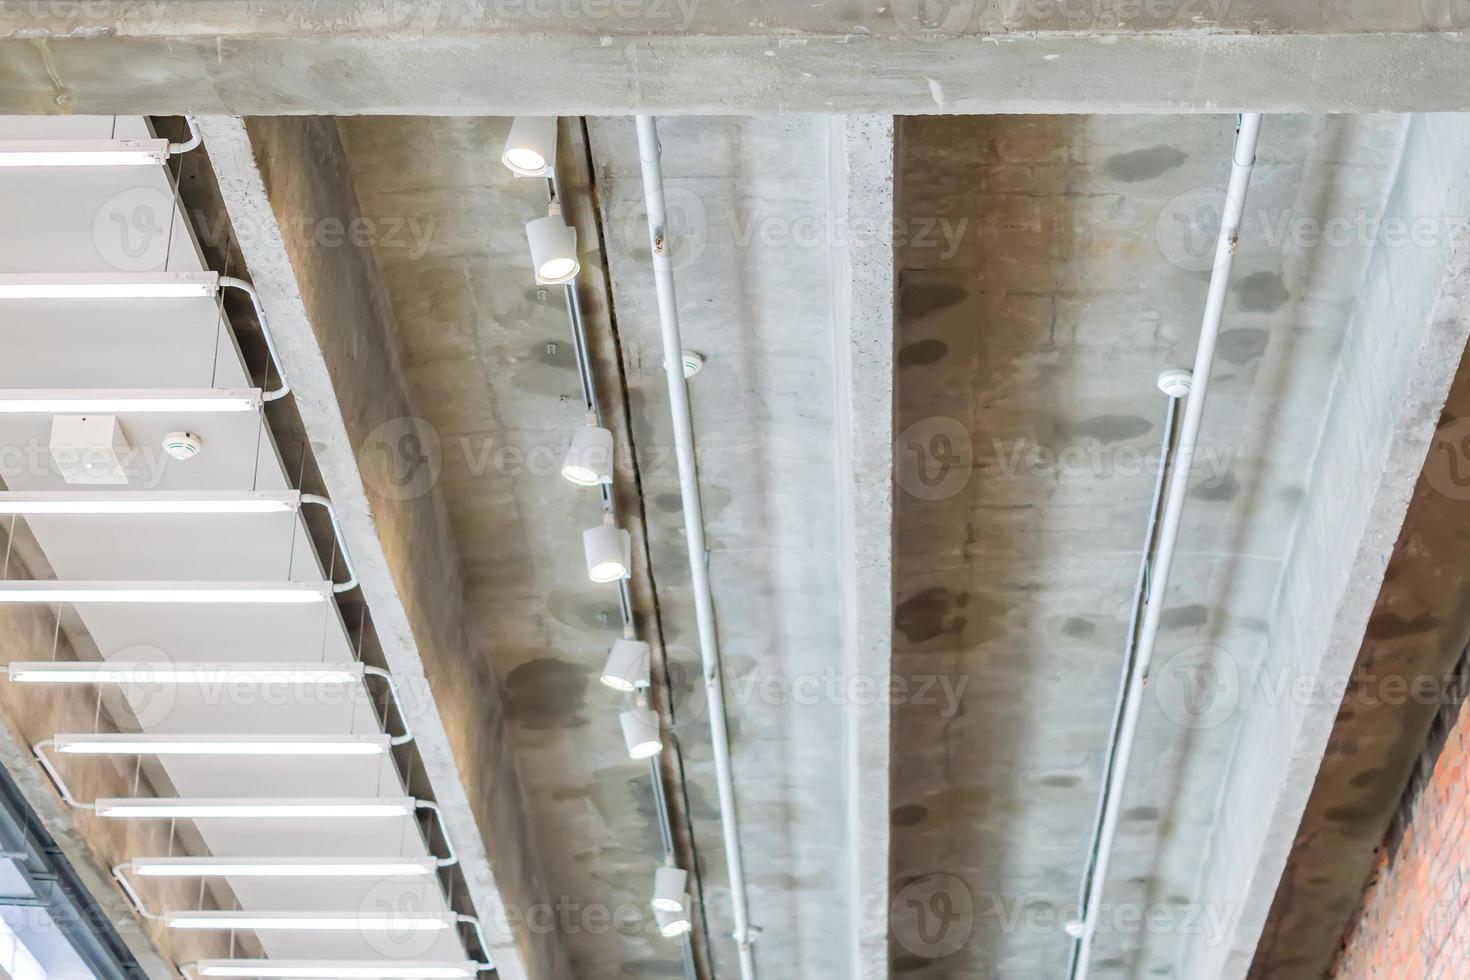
(530,151)
(101,153)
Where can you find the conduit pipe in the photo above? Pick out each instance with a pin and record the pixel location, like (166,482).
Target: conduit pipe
(1243,158)
(668,316)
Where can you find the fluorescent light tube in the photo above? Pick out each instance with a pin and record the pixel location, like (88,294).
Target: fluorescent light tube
(214,867)
(136,672)
(332,969)
(171,807)
(72,401)
(325,921)
(147,285)
(302,745)
(182,592)
(83,153)
(148,502)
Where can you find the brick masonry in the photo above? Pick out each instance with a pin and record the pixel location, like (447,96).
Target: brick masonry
(1414,923)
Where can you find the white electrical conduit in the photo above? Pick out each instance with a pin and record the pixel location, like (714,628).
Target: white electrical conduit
(668,315)
(1243,158)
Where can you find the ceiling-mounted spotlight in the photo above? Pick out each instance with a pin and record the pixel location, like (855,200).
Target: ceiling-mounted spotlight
(673,924)
(627,665)
(609,551)
(589,458)
(669,884)
(553,248)
(640,732)
(530,149)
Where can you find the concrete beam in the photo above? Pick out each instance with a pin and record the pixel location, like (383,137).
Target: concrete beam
(861,157)
(681,56)
(335,335)
(1399,358)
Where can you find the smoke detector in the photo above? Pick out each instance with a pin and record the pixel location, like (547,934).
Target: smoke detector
(182,445)
(693,362)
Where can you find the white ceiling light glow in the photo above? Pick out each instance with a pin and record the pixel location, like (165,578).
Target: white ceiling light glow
(553,248)
(83,153)
(313,921)
(152,285)
(589,458)
(627,666)
(144,503)
(640,733)
(609,551)
(194,593)
(333,969)
(167,808)
(78,672)
(669,884)
(215,867)
(530,149)
(673,924)
(253,745)
(63,401)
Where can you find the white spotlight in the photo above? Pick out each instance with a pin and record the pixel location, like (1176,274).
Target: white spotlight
(627,665)
(531,147)
(609,551)
(673,924)
(590,456)
(553,248)
(669,884)
(640,732)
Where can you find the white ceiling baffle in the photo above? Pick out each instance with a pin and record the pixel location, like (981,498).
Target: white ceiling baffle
(107,310)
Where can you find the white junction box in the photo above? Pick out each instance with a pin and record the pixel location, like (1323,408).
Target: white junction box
(89,449)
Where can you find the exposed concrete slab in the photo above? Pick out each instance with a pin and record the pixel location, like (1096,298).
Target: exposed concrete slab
(861,161)
(1407,335)
(475,57)
(334,330)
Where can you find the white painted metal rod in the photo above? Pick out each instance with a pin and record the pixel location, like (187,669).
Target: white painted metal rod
(1243,158)
(668,315)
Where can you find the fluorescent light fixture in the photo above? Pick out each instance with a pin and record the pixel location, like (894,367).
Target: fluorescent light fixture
(147,285)
(315,921)
(553,249)
(640,733)
(72,401)
(194,593)
(168,808)
(669,886)
(333,969)
(215,867)
(139,672)
(673,924)
(530,149)
(274,745)
(627,666)
(148,502)
(609,551)
(83,153)
(589,459)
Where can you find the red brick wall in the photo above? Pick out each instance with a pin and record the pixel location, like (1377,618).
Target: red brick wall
(1415,920)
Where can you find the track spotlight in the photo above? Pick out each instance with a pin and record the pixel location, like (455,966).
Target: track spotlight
(673,924)
(553,248)
(669,885)
(589,458)
(640,732)
(609,551)
(531,146)
(627,665)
